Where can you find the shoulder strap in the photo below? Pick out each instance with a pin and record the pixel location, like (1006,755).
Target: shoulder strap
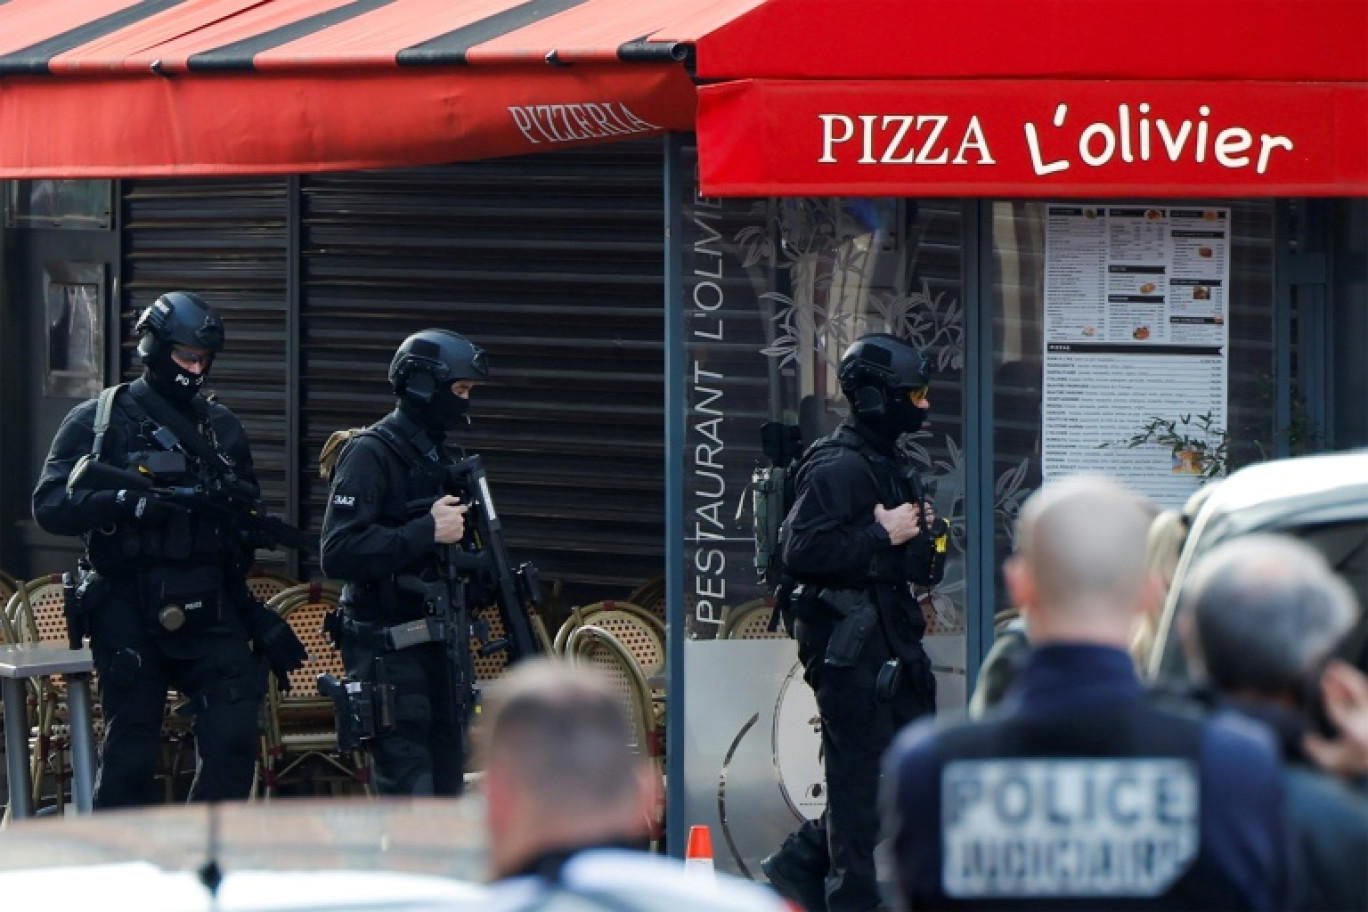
(338,441)
(104,410)
(405,450)
(185,430)
(841,437)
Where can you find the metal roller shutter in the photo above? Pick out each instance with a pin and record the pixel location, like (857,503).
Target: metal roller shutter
(554,264)
(227,240)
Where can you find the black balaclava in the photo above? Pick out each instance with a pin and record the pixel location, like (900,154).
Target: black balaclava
(173,382)
(444,413)
(449,409)
(899,417)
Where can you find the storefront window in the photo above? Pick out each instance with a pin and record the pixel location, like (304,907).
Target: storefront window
(73,295)
(777,289)
(70,204)
(1177,348)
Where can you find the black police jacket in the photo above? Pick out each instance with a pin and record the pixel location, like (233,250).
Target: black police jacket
(377,525)
(115,547)
(830,537)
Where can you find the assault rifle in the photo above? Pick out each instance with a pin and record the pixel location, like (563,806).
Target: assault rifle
(516,589)
(235,503)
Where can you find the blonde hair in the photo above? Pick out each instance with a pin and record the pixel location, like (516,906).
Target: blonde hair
(1164,542)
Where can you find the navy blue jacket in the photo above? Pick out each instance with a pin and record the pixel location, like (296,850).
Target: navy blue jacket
(1158,775)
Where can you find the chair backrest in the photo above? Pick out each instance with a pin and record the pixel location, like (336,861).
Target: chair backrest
(36,610)
(9,610)
(265,585)
(751,621)
(8,586)
(304,607)
(635,627)
(651,596)
(593,646)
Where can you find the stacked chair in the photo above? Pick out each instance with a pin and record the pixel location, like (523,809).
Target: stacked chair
(651,596)
(751,621)
(596,647)
(639,630)
(299,731)
(10,636)
(34,614)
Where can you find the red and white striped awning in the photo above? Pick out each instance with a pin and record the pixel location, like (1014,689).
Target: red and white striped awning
(788,97)
(105,88)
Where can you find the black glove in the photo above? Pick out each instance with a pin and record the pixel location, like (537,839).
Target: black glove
(102,507)
(142,507)
(273,638)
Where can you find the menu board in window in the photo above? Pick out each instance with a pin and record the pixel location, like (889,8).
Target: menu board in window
(1135,330)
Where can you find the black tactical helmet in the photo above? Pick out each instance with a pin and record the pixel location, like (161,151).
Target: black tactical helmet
(424,368)
(434,359)
(876,373)
(177,318)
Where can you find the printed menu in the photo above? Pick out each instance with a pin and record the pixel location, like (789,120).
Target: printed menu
(1135,329)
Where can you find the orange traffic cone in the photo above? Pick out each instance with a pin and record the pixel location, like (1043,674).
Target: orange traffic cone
(699,856)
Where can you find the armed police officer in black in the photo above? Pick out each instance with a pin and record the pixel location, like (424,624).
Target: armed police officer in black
(859,536)
(388,525)
(163,594)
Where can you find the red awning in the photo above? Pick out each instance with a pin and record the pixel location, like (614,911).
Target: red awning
(1037,98)
(797,97)
(107,88)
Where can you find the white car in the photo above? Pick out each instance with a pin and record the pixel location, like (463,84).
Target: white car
(1320,499)
(292,855)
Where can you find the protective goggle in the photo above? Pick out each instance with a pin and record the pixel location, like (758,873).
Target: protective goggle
(917,394)
(189,356)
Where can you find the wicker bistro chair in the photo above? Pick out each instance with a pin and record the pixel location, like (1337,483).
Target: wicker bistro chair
(9,635)
(299,730)
(751,621)
(597,648)
(638,629)
(35,615)
(641,633)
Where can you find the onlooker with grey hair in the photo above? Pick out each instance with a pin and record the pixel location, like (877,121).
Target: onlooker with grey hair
(1263,614)
(567,804)
(1079,789)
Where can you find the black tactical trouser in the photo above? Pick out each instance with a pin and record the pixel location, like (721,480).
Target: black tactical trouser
(218,674)
(857,728)
(424,753)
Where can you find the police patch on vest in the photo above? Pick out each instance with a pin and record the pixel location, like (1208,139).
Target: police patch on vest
(344,501)
(1022,828)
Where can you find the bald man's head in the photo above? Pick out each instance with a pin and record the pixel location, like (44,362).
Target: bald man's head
(1081,545)
(560,772)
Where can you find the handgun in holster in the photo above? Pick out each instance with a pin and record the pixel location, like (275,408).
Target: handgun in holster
(71,609)
(856,619)
(81,591)
(363,709)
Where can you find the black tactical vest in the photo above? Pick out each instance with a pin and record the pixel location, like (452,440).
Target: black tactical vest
(195,535)
(415,470)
